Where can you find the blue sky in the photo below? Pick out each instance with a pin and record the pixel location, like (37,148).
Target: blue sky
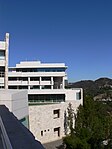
(76,32)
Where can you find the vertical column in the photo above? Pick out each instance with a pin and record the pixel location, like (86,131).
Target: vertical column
(28,83)
(6,60)
(63,83)
(81,96)
(40,82)
(52,82)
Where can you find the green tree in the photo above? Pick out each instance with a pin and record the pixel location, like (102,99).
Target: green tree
(70,118)
(93,126)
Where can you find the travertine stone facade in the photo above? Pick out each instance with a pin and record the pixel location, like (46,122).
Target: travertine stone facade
(44,122)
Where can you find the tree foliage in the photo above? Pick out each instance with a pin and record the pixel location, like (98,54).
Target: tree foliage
(93,126)
(70,117)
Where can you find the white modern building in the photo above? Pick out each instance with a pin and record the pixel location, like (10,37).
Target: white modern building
(4,46)
(45,82)
(47,96)
(36,75)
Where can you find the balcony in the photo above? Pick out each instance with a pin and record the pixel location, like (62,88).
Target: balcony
(45,83)
(34,83)
(36,74)
(17,83)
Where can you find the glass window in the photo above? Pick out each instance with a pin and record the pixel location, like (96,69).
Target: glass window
(2,55)
(23,87)
(34,78)
(78,95)
(25,121)
(12,78)
(46,78)
(56,113)
(40,69)
(46,86)
(12,87)
(35,87)
(46,98)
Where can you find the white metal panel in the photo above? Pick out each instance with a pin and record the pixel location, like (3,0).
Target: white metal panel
(14,83)
(45,83)
(2,80)
(34,83)
(2,62)
(2,45)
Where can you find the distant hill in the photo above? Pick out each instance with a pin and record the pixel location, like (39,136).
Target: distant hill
(94,88)
(103,82)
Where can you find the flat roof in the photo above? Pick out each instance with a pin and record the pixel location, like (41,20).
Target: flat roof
(38,64)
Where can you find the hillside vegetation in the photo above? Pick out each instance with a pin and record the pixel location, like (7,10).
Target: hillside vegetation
(94,88)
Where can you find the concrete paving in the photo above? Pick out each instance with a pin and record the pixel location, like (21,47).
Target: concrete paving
(54,145)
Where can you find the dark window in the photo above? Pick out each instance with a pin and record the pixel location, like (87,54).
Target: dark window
(12,87)
(78,95)
(2,71)
(12,69)
(34,79)
(46,86)
(46,98)
(24,78)
(1,86)
(23,119)
(40,69)
(56,113)
(46,78)
(41,133)
(34,87)
(57,131)
(2,54)
(23,87)
(12,78)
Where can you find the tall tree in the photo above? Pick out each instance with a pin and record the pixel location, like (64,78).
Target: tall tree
(93,126)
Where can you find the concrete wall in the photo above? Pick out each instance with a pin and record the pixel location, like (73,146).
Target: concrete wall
(15,101)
